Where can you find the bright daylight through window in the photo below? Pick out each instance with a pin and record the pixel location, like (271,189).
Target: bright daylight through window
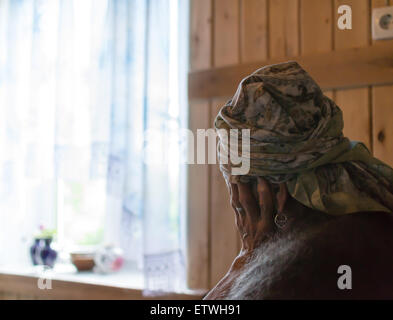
(92,97)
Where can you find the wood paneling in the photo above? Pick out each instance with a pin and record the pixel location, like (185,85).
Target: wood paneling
(359,35)
(240,36)
(356,113)
(201,34)
(198,220)
(383,123)
(355,101)
(198,205)
(253,30)
(226,32)
(316,26)
(283,28)
(224,235)
(347,68)
(380,3)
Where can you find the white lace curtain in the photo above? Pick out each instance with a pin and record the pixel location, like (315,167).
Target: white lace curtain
(92,94)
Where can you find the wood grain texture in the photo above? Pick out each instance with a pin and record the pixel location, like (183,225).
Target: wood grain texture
(383,123)
(224,235)
(343,68)
(359,35)
(14,287)
(253,30)
(380,3)
(316,26)
(201,34)
(356,113)
(226,32)
(198,205)
(355,103)
(198,246)
(283,28)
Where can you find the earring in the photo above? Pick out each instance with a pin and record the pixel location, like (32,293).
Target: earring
(280,220)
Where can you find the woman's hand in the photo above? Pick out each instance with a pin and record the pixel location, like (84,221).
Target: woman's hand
(255,222)
(254,217)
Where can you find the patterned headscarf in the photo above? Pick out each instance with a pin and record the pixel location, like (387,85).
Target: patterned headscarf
(296,137)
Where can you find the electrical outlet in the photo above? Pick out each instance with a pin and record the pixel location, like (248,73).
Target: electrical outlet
(382,23)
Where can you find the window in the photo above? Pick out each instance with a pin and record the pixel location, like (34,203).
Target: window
(92,97)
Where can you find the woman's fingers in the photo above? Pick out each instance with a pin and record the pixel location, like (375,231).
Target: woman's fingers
(265,197)
(248,202)
(255,217)
(266,203)
(282,197)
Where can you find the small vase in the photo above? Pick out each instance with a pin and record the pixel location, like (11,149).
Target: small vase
(35,252)
(41,252)
(48,255)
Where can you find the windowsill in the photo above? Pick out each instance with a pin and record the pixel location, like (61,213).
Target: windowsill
(67,284)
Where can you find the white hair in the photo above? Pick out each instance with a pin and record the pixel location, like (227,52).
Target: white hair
(269,263)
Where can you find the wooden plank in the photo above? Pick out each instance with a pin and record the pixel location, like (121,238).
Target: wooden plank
(224,235)
(17,286)
(316,26)
(379,3)
(283,28)
(347,68)
(356,113)
(198,247)
(201,34)
(226,32)
(355,103)
(359,35)
(383,123)
(253,30)
(198,205)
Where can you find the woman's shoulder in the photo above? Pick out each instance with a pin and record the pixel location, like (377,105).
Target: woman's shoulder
(362,243)
(360,227)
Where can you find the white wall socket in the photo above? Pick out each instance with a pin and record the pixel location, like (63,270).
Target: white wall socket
(382,23)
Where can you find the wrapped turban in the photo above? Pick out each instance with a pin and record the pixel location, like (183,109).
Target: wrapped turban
(296,137)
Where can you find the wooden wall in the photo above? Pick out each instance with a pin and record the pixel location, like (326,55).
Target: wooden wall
(231,32)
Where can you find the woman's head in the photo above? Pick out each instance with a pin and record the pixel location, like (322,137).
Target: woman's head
(296,138)
(291,123)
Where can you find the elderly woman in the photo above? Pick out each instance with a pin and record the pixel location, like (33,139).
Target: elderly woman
(313,203)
